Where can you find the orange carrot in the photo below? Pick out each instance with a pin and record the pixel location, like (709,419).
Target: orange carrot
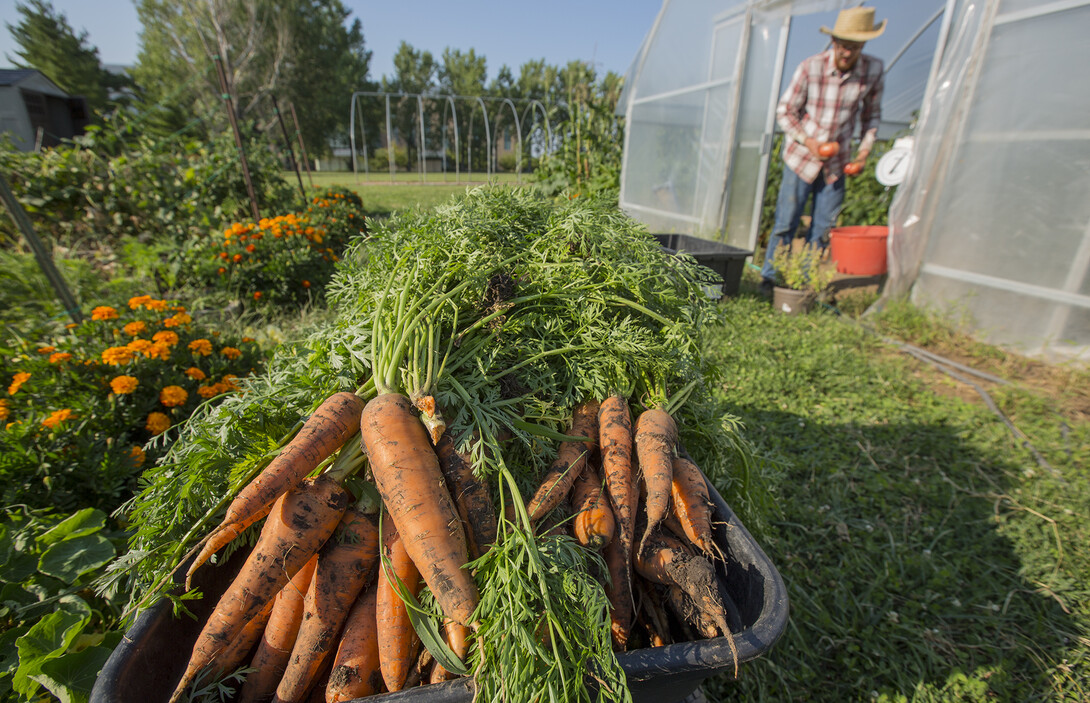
(615,438)
(456,636)
(655,437)
(571,458)
(326,431)
(619,593)
(397,640)
(407,474)
(356,670)
(692,504)
(593,525)
(275,647)
(235,653)
(470,496)
(298,524)
(345,565)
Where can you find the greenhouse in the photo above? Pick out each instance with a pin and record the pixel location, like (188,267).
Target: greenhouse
(991,221)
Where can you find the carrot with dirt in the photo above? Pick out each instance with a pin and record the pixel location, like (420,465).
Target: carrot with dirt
(299,523)
(619,593)
(332,424)
(235,653)
(356,672)
(655,437)
(279,637)
(593,525)
(398,642)
(470,496)
(667,561)
(346,563)
(571,459)
(692,504)
(615,441)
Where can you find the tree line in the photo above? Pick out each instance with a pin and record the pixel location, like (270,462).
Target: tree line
(307,53)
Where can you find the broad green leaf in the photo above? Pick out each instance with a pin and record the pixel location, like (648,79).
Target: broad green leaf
(19,568)
(46,640)
(81,523)
(9,654)
(68,559)
(5,544)
(71,676)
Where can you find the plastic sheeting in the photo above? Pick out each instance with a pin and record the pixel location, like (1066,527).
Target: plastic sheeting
(992,223)
(699,104)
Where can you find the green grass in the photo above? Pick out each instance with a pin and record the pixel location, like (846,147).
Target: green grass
(928,557)
(381,197)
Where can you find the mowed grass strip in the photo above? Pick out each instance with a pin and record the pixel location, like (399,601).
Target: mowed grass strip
(928,556)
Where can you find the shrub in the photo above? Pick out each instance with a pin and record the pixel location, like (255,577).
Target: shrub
(285,260)
(77,411)
(115,182)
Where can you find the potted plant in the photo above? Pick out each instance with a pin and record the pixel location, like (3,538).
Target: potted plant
(802,276)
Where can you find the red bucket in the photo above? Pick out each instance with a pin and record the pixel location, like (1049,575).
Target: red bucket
(859,250)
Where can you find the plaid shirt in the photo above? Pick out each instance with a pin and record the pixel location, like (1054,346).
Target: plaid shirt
(822,103)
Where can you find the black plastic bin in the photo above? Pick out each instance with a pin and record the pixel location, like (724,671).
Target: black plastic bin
(152,656)
(725,260)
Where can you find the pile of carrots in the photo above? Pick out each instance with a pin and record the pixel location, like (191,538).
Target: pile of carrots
(323,607)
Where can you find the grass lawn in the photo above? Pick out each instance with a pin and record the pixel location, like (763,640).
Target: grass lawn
(381,196)
(928,554)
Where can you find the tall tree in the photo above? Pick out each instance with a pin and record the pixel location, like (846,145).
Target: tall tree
(462,73)
(48,43)
(302,51)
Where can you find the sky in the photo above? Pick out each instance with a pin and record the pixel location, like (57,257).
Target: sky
(608,34)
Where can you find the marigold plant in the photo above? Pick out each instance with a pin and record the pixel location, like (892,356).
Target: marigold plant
(77,403)
(283,260)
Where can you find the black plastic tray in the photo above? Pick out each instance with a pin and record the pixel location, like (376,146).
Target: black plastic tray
(725,260)
(152,656)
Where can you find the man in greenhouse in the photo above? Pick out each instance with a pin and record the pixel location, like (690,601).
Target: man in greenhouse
(828,94)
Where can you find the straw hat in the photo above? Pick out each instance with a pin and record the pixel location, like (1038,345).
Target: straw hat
(856,24)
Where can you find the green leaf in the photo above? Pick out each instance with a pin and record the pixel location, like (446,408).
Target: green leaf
(46,640)
(84,522)
(9,654)
(19,568)
(71,676)
(69,559)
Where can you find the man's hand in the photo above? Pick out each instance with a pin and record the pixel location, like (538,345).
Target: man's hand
(813,144)
(855,167)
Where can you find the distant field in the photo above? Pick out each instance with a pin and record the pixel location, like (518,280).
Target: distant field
(381,196)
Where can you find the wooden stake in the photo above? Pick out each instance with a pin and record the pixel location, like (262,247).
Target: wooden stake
(45,261)
(287,140)
(226,95)
(302,149)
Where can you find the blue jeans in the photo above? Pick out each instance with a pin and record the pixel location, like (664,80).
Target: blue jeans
(794,192)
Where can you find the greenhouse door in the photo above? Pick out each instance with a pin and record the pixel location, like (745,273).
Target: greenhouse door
(754,127)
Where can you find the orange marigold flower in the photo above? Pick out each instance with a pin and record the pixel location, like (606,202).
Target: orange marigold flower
(4,410)
(166,337)
(173,396)
(195,373)
(221,270)
(123,385)
(228,381)
(257,295)
(178,319)
(139,300)
(158,305)
(158,350)
(59,357)
(201,347)
(231,352)
(134,328)
(17,382)
(116,356)
(207,392)
(104,312)
(139,345)
(251,248)
(306,284)
(223,255)
(46,350)
(236,258)
(137,455)
(57,417)
(157,423)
